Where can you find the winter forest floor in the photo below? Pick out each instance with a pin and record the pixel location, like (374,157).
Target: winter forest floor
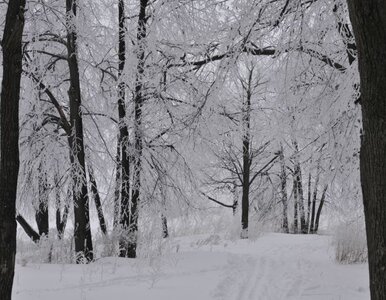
(273,266)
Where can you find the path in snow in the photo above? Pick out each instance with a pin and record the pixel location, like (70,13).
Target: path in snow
(273,267)
(291,267)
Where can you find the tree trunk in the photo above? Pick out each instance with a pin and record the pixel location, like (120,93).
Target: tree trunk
(118,186)
(369,24)
(82,230)
(284,198)
(314,196)
(246,158)
(41,214)
(299,184)
(32,234)
(164,220)
(296,207)
(309,203)
(61,220)
(123,167)
(131,245)
(97,200)
(245,190)
(322,199)
(9,141)
(165,231)
(236,195)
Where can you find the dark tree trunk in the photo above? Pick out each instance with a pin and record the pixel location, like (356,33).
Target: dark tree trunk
(296,206)
(309,203)
(284,198)
(164,220)
(118,186)
(246,119)
(235,198)
(165,231)
(245,188)
(97,200)
(41,214)
(322,199)
(82,230)
(61,220)
(299,184)
(123,167)
(32,234)
(9,141)
(41,217)
(131,245)
(369,24)
(314,196)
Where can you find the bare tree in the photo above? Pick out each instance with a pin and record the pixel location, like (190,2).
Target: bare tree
(369,23)
(82,234)
(122,192)
(9,141)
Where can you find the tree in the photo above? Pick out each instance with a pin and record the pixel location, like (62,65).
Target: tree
(246,140)
(9,140)
(122,192)
(369,22)
(132,226)
(283,190)
(82,233)
(299,186)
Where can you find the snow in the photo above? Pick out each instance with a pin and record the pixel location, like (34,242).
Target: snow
(273,266)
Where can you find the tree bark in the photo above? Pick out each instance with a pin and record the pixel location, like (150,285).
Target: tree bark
(82,230)
(165,231)
(322,199)
(309,203)
(123,167)
(9,141)
(236,195)
(132,230)
(33,235)
(369,24)
(246,119)
(61,220)
(97,200)
(314,196)
(41,214)
(296,206)
(118,186)
(164,220)
(284,198)
(299,184)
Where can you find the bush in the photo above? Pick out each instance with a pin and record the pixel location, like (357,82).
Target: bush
(350,242)
(48,250)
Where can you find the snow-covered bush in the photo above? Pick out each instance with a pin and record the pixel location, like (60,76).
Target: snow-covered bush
(350,242)
(48,250)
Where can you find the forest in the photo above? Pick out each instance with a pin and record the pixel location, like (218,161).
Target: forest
(141,137)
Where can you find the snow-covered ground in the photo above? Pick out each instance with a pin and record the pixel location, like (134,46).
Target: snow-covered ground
(274,266)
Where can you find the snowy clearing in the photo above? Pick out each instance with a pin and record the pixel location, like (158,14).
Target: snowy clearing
(274,266)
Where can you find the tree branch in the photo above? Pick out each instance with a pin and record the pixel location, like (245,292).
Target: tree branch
(262,169)
(218,202)
(35,237)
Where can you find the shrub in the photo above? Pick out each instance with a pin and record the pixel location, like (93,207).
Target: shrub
(350,242)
